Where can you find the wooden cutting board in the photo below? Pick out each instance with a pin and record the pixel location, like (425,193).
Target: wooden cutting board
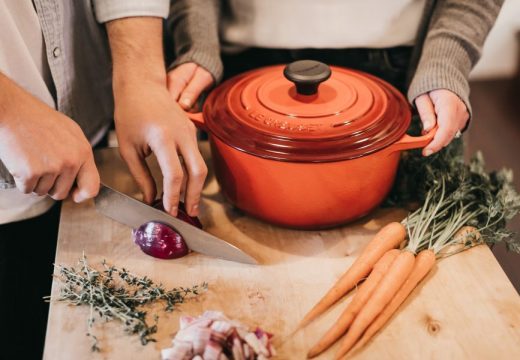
(466,309)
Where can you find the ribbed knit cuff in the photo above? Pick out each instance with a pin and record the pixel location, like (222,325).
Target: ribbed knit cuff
(444,64)
(193,28)
(206,58)
(107,10)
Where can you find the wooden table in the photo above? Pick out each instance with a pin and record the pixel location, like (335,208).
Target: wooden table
(467,308)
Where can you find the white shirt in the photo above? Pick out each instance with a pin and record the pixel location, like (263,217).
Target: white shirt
(23,59)
(295,24)
(61,47)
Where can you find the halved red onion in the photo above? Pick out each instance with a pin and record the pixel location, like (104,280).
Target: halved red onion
(161,240)
(181,213)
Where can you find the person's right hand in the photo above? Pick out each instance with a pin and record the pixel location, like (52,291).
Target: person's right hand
(186,82)
(45,151)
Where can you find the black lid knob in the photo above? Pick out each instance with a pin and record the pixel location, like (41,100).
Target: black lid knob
(307,75)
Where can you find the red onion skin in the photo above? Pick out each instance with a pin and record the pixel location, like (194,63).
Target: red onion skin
(181,213)
(161,240)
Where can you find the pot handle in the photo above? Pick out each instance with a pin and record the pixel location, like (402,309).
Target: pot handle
(413,142)
(197,119)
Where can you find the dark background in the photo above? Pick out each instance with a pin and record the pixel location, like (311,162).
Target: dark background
(495,130)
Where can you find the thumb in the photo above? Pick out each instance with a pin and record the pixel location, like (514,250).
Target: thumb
(87,182)
(179,77)
(426,111)
(201,81)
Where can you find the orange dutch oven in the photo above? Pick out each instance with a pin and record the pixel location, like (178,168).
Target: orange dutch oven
(307,145)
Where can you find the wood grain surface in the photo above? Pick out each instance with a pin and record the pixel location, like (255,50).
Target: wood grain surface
(466,309)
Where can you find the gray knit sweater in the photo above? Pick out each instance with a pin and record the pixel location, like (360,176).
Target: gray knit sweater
(448,43)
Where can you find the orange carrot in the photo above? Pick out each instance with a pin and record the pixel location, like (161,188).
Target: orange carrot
(389,237)
(465,237)
(386,289)
(362,295)
(424,262)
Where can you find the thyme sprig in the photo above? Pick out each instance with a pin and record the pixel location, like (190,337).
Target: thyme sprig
(116,294)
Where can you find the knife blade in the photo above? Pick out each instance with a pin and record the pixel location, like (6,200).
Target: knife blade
(131,212)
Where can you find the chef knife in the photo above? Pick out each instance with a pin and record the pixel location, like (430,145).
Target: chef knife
(131,212)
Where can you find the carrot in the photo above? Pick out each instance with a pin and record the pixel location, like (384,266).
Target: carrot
(389,237)
(363,293)
(465,237)
(424,262)
(386,289)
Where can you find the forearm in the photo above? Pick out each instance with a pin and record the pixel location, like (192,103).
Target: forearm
(137,53)
(14,99)
(453,45)
(9,96)
(193,28)
(6,180)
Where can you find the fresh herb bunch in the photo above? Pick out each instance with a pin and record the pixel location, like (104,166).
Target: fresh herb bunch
(454,194)
(414,176)
(116,294)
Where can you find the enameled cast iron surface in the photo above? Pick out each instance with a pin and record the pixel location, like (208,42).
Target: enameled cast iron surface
(307,161)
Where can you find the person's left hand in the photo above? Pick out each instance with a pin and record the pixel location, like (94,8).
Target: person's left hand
(186,82)
(443,108)
(148,120)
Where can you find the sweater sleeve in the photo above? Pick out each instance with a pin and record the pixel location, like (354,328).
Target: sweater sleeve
(193,28)
(453,45)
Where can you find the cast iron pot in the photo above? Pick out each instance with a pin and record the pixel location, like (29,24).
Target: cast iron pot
(307,145)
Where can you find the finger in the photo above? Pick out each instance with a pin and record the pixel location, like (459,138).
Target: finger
(448,127)
(26,184)
(171,169)
(197,172)
(141,173)
(45,184)
(426,112)
(87,182)
(463,115)
(63,185)
(179,78)
(446,98)
(201,81)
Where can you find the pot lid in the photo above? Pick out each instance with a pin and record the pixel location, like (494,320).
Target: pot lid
(307,112)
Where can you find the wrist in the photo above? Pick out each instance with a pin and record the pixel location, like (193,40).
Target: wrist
(137,54)
(11,95)
(132,82)
(5,95)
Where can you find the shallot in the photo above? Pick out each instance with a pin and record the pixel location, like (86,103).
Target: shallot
(161,240)
(213,336)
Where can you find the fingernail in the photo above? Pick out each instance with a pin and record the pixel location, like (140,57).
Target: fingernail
(186,102)
(195,210)
(428,152)
(79,199)
(173,211)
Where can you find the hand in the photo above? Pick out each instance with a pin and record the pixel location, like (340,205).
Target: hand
(186,82)
(148,120)
(447,110)
(44,150)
